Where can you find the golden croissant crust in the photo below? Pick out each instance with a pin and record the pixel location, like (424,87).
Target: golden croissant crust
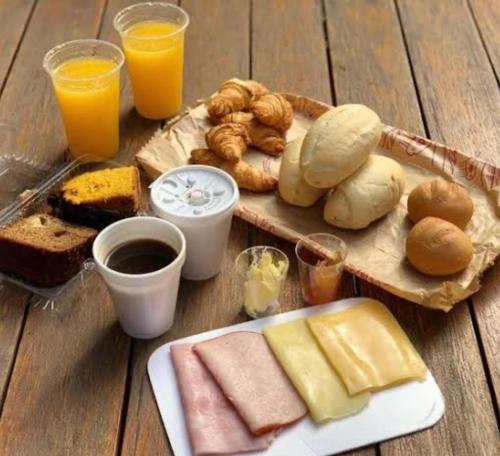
(246,176)
(228,140)
(234,95)
(262,137)
(273,110)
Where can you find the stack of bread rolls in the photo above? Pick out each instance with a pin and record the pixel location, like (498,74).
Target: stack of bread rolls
(436,245)
(335,158)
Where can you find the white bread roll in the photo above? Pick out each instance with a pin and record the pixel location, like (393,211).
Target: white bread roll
(338,143)
(441,199)
(293,189)
(370,193)
(437,247)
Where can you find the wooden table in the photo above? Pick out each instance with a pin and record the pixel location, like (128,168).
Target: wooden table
(72,383)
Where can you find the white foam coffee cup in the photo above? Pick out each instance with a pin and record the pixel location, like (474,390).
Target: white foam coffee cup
(145,303)
(200,200)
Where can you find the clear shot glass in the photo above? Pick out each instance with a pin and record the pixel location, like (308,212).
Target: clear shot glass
(321,259)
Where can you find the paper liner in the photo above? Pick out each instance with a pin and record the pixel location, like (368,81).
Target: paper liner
(376,253)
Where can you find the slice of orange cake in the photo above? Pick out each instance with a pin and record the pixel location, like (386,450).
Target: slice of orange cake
(98,198)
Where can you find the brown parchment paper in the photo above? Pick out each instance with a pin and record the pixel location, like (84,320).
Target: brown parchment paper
(376,253)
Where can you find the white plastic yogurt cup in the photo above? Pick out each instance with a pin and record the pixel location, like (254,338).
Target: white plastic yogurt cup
(200,200)
(145,303)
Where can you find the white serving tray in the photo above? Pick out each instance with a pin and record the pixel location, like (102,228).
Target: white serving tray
(396,411)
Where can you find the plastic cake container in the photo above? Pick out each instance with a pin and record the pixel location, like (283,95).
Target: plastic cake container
(30,186)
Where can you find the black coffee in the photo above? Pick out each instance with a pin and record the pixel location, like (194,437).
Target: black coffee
(140,256)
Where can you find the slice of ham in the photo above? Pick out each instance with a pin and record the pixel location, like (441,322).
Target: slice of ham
(214,426)
(251,378)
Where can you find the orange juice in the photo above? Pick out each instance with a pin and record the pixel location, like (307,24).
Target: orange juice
(154,52)
(88,93)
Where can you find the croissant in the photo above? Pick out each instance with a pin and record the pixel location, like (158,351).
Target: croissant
(234,95)
(246,176)
(228,140)
(273,110)
(244,118)
(263,137)
(267,139)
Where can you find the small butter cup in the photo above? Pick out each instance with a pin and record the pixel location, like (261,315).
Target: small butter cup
(262,271)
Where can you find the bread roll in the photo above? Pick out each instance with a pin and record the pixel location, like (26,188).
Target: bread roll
(370,193)
(442,199)
(293,189)
(338,143)
(437,247)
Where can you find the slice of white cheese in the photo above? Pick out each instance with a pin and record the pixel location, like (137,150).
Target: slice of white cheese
(367,347)
(314,378)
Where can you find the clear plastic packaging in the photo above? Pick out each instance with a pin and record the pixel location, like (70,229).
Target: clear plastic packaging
(26,188)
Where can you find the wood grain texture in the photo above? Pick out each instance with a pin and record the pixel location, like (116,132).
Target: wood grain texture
(461,103)
(369,61)
(289,54)
(67,386)
(447,342)
(278,44)
(487,16)
(288,47)
(28,103)
(13,303)
(459,93)
(216,49)
(66,389)
(12,23)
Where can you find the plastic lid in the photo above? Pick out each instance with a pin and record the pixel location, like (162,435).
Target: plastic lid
(194,191)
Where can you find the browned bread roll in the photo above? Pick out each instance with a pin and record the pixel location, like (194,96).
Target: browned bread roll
(442,199)
(437,247)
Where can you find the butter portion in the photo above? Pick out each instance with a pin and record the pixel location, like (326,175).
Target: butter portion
(308,369)
(367,347)
(263,284)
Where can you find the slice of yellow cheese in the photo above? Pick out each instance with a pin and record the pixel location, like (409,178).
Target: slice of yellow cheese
(367,347)
(316,381)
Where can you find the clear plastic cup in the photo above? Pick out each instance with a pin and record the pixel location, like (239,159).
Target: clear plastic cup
(85,75)
(321,258)
(152,35)
(145,303)
(262,271)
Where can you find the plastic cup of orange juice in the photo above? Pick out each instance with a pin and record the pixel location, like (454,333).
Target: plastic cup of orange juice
(321,258)
(86,79)
(152,36)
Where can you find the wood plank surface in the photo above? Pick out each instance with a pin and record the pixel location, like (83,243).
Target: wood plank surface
(289,54)
(13,21)
(217,48)
(284,61)
(66,389)
(370,66)
(71,382)
(461,103)
(487,16)
(382,79)
(12,311)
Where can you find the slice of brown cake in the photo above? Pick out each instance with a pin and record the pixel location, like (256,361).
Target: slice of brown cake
(44,250)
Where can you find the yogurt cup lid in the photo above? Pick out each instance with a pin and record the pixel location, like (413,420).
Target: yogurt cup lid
(194,191)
